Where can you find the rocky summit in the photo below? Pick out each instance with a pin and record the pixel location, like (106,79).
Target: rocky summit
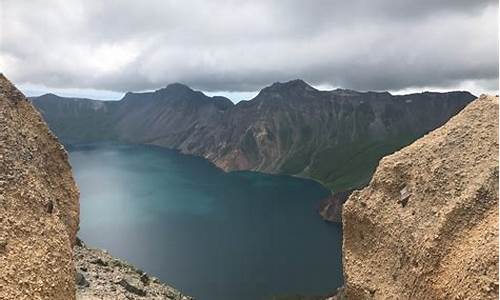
(336,137)
(426,227)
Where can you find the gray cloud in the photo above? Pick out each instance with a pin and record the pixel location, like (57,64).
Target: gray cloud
(237,45)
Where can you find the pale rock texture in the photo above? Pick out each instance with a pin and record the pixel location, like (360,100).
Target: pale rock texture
(427,225)
(39,208)
(103,277)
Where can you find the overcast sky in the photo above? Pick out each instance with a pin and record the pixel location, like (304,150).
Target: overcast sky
(104,48)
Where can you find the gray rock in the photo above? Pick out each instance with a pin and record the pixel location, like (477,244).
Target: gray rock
(80,280)
(100,262)
(145,278)
(3,245)
(131,288)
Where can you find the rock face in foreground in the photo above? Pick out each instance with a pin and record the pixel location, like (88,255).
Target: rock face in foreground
(39,217)
(427,225)
(100,276)
(38,205)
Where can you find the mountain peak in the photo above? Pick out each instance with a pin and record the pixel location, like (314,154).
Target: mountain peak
(176,88)
(297,84)
(50,95)
(292,87)
(177,85)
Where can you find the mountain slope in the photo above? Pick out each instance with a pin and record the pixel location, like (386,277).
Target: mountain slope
(168,116)
(427,225)
(76,120)
(336,137)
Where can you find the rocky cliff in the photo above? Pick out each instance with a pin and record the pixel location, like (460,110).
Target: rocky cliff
(336,137)
(426,227)
(38,205)
(39,217)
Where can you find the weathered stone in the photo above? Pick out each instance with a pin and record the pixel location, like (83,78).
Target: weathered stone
(37,262)
(3,245)
(80,280)
(100,262)
(125,283)
(145,278)
(424,232)
(118,280)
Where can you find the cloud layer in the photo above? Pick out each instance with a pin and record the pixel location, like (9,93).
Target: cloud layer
(237,45)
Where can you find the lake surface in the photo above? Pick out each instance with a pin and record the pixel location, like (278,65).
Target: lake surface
(213,235)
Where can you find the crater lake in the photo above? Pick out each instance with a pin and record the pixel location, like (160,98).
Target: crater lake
(211,234)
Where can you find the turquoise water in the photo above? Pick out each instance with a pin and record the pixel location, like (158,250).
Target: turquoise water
(213,235)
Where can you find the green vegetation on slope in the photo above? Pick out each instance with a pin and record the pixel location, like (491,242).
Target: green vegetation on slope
(89,128)
(350,166)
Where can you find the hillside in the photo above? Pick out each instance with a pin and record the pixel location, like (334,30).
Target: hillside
(427,225)
(336,137)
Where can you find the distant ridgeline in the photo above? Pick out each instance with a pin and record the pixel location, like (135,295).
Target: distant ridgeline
(336,137)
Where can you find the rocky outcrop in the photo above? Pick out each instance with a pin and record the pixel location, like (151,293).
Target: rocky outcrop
(39,217)
(38,205)
(330,208)
(100,276)
(336,137)
(427,225)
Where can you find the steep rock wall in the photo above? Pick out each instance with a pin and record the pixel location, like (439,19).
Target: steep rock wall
(39,209)
(427,225)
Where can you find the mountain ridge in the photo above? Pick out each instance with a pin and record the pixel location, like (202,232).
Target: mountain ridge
(277,84)
(287,128)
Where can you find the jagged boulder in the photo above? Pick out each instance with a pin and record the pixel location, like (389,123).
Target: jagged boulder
(427,225)
(39,209)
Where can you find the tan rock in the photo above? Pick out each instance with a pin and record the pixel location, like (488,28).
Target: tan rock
(427,225)
(39,209)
